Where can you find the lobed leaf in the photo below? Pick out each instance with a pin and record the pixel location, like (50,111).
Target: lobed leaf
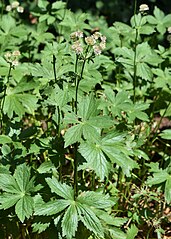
(61,189)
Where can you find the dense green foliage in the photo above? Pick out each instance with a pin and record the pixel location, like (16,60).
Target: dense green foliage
(84,121)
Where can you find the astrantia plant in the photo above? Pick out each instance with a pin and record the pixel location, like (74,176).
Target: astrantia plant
(82,112)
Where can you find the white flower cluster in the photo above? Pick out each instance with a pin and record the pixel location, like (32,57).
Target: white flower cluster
(97,41)
(143,8)
(12,58)
(15,5)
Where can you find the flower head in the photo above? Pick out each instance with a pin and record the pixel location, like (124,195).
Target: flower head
(76,35)
(8,8)
(97,35)
(20,9)
(97,50)
(169,29)
(7,55)
(15,63)
(143,8)
(15,4)
(77,47)
(90,40)
(12,58)
(16,53)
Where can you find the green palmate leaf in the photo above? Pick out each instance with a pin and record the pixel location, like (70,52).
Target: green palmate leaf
(136,111)
(94,199)
(49,208)
(70,222)
(117,102)
(24,207)
(17,190)
(58,97)
(89,219)
(160,20)
(95,158)
(19,104)
(61,189)
(132,232)
(167,191)
(163,79)
(143,60)
(158,177)
(41,71)
(111,145)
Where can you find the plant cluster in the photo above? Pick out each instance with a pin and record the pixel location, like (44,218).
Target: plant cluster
(85,124)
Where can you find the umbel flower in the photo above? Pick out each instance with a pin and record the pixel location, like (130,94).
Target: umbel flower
(15,5)
(143,8)
(12,58)
(169,30)
(96,42)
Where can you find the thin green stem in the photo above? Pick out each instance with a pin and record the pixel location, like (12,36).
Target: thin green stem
(54,68)
(77,85)
(3,99)
(2,9)
(158,125)
(75,171)
(135,53)
(77,81)
(59,116)
(135,67)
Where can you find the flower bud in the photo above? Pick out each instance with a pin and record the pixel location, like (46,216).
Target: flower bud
(8,8)
(143,8)
(20,9)
(15,4)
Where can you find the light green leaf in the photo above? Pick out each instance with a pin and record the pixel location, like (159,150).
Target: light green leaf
(19,104)
(132,232)
(95,158)
(40,227)
(73,134)
(158,178)
(166,134)
(8,184)
(7,200)
(61,189)
(4,139)
(70,222)
(22,177)
(95,199)
(24,207)
(167,191)
(51,207)
(89,219)
(46,167)
(87,107)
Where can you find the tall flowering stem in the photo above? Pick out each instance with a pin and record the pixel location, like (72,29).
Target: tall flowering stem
(3,99)
(85,48)
(135,53)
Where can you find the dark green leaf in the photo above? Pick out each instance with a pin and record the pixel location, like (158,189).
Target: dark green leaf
(61,189)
